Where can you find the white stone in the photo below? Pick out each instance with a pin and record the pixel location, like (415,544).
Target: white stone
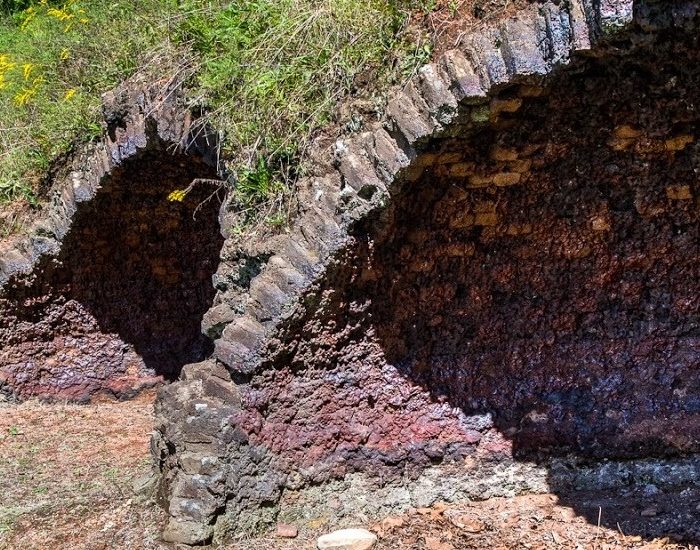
(347,539)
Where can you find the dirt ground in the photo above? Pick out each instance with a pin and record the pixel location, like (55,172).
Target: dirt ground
(67,475)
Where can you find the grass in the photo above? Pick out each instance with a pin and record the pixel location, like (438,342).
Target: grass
(55,61)
(271,71)
(266,73)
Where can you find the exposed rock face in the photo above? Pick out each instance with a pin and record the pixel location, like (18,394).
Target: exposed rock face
(108,293)
(506,269)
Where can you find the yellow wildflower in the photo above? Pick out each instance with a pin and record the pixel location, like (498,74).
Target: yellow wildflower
(178,195)
(27,69)
(69,95)
(23,97)
(60,14)
(5,63)
(65,54)
(84,20)
(28,18)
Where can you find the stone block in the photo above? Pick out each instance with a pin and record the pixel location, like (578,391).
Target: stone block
(198,463)
(388,156)
(555,28)
(505,105)
(462,169)
(285,275)
(503,153)
(462,220)
(436,93)
(464,82)
(226,391)
(679,192)
(506,178)
(480,114)
(615,15)
(408,119)
(356,169)
(235,356)
(347,539)
(521,47)
(580,32)
(216,318)
(246,331)
(480,181)
(300,257)
(180,531)
(484,49)
(266,299)
(626,131)
(678,143)
(600,223)
(521,166)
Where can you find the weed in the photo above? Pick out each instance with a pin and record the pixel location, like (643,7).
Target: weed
(273,70)
(278,219)
(56,58)
(267,73)
(111,474)
(416,58)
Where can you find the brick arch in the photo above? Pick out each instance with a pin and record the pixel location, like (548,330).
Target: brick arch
(313,380)
(104,292)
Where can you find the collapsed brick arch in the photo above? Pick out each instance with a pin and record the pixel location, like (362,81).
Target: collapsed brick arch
(120,307)
(503,272)
(105,292)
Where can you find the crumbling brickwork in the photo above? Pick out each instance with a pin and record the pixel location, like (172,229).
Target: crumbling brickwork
(502,270)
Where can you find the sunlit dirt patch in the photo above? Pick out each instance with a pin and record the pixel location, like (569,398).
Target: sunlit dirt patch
(67,472)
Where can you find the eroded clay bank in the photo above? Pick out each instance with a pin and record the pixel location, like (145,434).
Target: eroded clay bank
(492,291)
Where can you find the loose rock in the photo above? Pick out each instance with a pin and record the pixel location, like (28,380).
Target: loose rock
(347,539)
(286,531)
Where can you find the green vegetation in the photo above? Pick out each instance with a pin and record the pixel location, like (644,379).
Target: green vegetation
(272,71)
(265,72)
(55,61)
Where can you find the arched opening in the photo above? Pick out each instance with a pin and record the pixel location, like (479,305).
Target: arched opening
(528,294)
(120,307)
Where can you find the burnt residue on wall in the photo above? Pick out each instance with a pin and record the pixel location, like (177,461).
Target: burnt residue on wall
(120,307)
(550,275)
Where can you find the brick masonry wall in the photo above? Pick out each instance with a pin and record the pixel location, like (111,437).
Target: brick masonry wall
(120,307)
(105,292)
(503,269)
